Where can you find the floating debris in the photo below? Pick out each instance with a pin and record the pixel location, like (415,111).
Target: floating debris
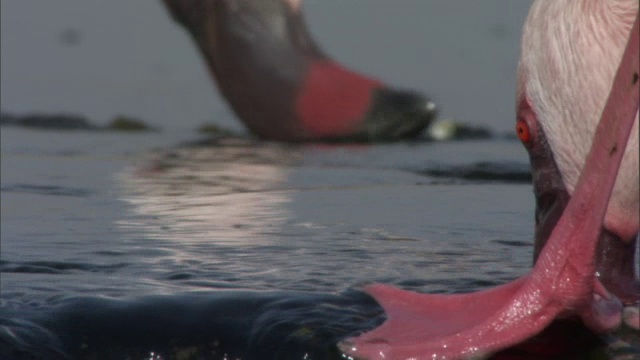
(506,172)
(48,121)
(215,130)
(125,123)
(64,121)
(444,130)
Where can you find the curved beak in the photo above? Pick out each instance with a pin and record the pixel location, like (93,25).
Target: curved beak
(616,263)
(393,115)
(281,84)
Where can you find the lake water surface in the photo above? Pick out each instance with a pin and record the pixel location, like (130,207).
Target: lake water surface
(242,249)
(161,246)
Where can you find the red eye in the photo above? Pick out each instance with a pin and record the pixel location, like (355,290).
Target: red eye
(523,131)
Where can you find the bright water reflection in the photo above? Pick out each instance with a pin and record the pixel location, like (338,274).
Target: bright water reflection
(241,214)
(223,194)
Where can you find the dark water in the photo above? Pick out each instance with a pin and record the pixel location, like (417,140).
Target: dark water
(243,249)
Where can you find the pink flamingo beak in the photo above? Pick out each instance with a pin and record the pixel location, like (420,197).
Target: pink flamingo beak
(283,87)
(563,280)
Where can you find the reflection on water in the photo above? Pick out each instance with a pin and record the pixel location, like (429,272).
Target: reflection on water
(276,237)
(227,193)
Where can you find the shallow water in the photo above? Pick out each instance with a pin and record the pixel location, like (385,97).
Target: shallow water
(114,250)
(237,248)
(247,215)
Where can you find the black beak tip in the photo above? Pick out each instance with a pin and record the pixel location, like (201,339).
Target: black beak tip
(398,115)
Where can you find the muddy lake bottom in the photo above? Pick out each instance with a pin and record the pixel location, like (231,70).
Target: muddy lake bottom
(145,246)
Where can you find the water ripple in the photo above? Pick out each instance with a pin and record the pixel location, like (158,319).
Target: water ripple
(484,171)
(53,267)
(47,190)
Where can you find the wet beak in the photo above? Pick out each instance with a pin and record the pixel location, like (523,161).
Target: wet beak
(615,259)
(616,262)
(397,114)
(563,280)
